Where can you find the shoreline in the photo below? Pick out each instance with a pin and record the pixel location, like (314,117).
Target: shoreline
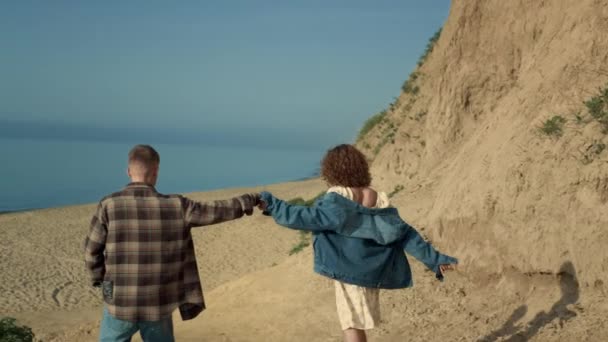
(195,192)
(4,212)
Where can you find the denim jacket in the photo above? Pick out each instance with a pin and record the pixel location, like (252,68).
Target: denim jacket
(358,245)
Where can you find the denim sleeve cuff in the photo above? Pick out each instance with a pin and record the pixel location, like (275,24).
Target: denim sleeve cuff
(268,199)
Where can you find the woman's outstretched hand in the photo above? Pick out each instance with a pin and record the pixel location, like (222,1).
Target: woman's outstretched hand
(443,268)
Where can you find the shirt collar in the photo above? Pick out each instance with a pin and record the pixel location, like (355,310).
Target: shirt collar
(140,185)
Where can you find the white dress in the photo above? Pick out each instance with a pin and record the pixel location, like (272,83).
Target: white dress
(358,306)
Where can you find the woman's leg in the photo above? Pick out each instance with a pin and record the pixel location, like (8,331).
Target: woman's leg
(358,310)
(354,335)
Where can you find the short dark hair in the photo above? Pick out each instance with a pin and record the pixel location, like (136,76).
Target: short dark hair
(345,165)
(145,155)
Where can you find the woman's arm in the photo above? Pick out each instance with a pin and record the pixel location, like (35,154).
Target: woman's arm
(417,247)
(316,218)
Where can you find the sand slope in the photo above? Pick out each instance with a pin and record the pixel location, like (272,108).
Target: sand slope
(288,302)
(497,191)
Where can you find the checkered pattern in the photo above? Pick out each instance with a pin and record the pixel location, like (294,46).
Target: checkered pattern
(140,246)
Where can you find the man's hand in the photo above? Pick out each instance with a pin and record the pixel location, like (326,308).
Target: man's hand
(251,200)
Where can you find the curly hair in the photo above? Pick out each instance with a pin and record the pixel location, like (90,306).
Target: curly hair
(344,165)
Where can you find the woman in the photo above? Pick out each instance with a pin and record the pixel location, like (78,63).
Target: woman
(358,239)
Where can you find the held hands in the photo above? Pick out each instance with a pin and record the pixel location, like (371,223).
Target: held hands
(262,205)
(250,201)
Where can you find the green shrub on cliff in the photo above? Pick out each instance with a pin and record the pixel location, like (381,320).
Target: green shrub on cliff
(553,126)
(11,332)
(598,108)
(430,46)
(409,86)
(371,123)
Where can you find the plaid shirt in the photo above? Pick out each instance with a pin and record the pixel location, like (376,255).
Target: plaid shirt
(140,250)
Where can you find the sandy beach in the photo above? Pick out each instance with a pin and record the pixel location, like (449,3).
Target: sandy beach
(44,282)
(255,291)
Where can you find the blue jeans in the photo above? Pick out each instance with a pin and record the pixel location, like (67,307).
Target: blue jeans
(117,330)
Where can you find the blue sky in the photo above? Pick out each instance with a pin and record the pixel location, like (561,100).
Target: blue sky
(294,73)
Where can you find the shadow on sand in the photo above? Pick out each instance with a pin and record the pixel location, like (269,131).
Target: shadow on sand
(512,332)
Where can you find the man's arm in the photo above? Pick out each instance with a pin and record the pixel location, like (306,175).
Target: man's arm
(316,218)
(198,214)
(94,246)
(417,247)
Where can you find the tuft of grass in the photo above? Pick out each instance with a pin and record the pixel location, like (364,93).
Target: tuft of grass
(387,135)
(393,105)
(312,201)
(297,201)
(11,332)
(383,142)
(595,105)
(429,47)
(303,243)
(396,190)
(409,86)
(553,126)
(408,107)
(599,148)
(371,123)
(420,115)
(598,108)
(308,202)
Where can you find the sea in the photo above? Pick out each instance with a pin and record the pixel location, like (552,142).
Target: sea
(38,174)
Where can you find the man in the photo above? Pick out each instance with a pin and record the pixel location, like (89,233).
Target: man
(140,252)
